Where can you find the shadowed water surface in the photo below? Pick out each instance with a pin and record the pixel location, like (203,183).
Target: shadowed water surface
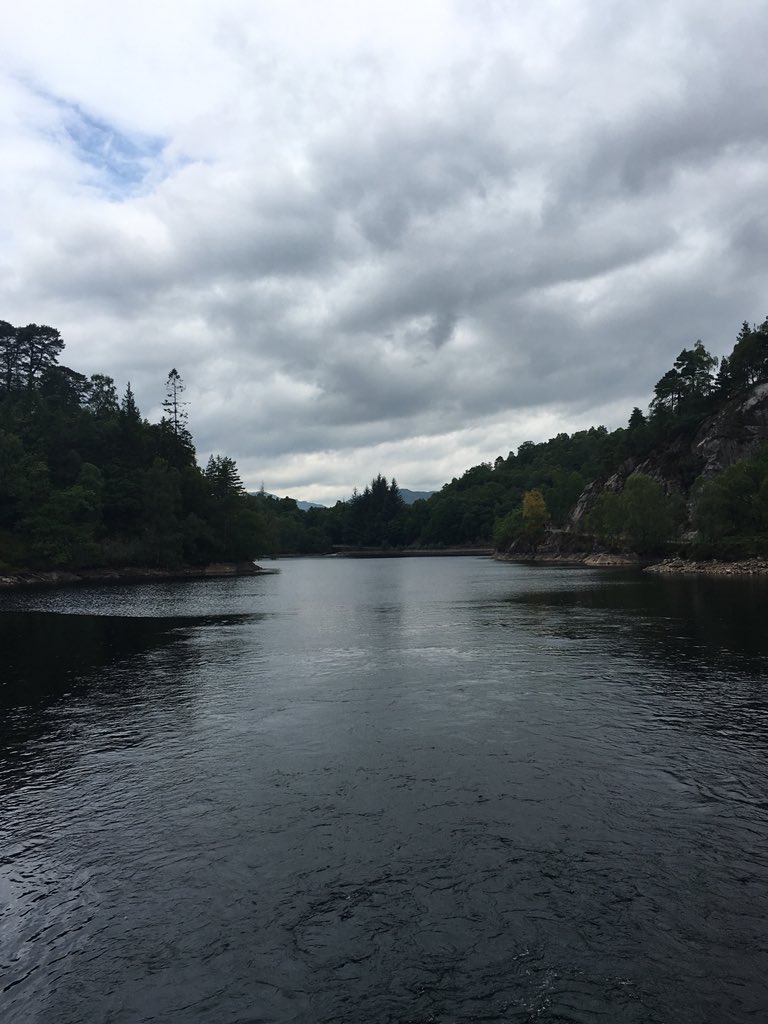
(417,790)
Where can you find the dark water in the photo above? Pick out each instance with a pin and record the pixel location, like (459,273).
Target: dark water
(388,791)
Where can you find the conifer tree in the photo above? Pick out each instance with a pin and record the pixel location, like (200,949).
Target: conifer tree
(128,406)
(174,405)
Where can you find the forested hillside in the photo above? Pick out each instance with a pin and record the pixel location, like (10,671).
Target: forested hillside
(692,472)
(86,481)
(691,468)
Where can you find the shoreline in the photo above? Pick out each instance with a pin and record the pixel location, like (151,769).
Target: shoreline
(128,574)
(413,553)
(712,567)
(589,560)
(667,567)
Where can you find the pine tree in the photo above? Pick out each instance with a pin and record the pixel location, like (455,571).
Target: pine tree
(128,406)
(174,405)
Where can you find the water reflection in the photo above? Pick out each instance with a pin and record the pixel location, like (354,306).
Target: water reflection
(694,622)
(62,673)
(392,791)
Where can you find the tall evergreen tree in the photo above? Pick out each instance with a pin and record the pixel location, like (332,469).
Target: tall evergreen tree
(39,348)
(174,405)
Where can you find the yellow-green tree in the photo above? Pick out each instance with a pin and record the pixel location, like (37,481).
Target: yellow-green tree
(525,527)
(535,520)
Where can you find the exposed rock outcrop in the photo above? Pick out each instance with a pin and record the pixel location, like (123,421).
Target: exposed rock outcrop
(721,440)
(732,433)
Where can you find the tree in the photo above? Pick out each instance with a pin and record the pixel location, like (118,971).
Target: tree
(648,514)
(128,407)
(38,349)
(724,379)
(174,441)
(695,367)
(9,358)
(223,477)
(535,519)
(507,529)
(730,511)
(749,359)
(174,405)
(606,520)
(637,419)
(667,391)
(102,397)
(161,506)
(526,525)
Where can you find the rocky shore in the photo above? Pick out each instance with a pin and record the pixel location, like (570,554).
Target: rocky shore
(685,567)
(587,558)
(128,574)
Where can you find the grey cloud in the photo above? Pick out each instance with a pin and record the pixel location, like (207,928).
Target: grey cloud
(391,174)
(709,103)
(509,242)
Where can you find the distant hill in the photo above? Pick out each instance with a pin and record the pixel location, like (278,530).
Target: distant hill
(303,505)
(410,496)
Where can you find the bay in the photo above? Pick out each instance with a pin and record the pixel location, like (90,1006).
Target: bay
(401,790)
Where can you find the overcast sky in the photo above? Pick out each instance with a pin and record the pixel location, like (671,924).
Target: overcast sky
(397,237)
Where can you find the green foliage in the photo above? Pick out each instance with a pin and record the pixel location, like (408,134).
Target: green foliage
(85,481)
(526,526)
(641,518)
(649,515)
(26,355)
(375,517)
(606,519)
(507,529)
(730,511)
(535,519)
(748,363)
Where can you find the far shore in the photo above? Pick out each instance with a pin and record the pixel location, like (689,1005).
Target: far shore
(414,553)
(218,570)
(588,559)
(667,567)
(128,574)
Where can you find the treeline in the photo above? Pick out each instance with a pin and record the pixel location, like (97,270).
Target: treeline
(464,512)
(86,481)
(726,515)
(520,497)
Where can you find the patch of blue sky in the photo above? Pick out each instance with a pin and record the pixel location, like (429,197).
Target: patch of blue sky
(121,161)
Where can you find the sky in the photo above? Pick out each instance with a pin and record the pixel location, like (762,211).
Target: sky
(384,237)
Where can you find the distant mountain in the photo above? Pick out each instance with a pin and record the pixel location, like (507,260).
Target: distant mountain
(303,505)
(410,496)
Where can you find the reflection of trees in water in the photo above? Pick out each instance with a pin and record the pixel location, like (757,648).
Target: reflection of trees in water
(697,623)
(702,643)
(55,662)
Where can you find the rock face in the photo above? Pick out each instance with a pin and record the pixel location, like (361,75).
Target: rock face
(733,432)
(722,439)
